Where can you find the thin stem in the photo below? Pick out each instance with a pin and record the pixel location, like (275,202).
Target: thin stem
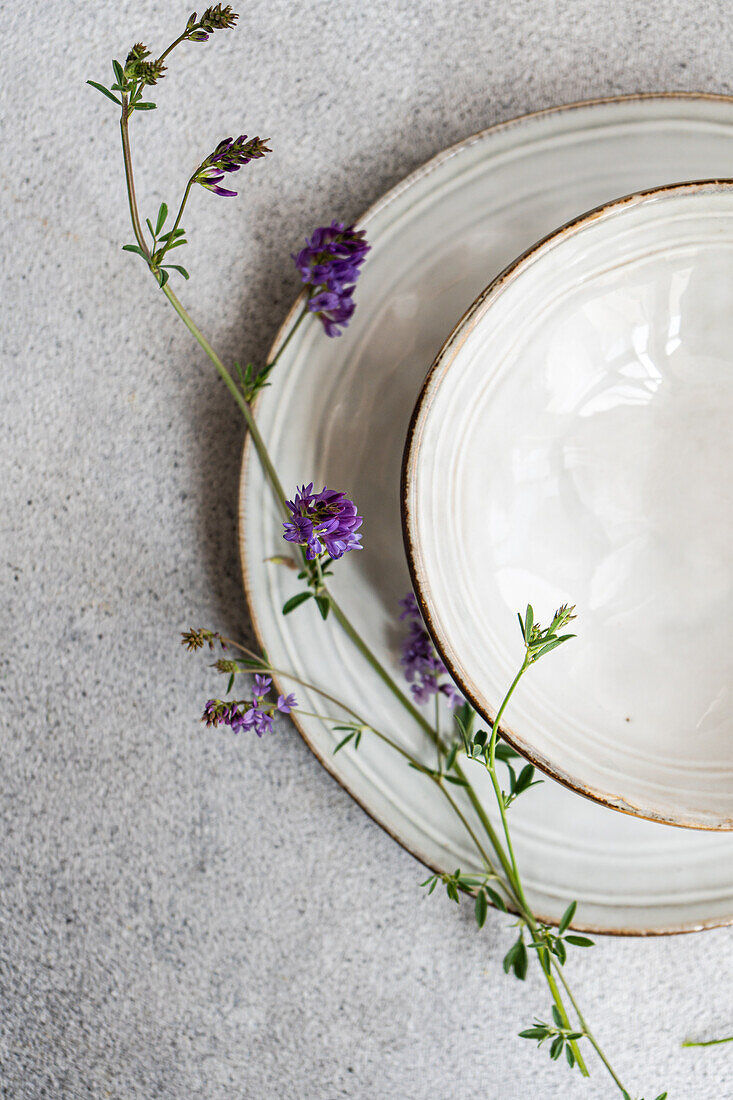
(500,712)
(584,1024)
(707,1042)
(236,393)
(479,846)
(173,45)
(179,215)
(129,178)
(303,313)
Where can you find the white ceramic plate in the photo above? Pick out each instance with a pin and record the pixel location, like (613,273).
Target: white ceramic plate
(338,412)
(572,444)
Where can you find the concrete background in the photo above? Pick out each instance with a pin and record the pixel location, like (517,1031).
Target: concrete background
(182,914)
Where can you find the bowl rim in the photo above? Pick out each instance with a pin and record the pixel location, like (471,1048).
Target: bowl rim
(441,365)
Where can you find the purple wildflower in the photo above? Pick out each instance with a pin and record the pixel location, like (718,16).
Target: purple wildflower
(329,266)
(421,665)
(241,714)
(261,686)
(325,521)
(229,156)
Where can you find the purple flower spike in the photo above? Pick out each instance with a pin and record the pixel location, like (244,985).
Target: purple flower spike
(286,703)
(229,156)
(261,686)
(329,266)
(325,521)
(421,665)
(262,722)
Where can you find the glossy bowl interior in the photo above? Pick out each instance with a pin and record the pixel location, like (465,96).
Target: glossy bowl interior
(572,443)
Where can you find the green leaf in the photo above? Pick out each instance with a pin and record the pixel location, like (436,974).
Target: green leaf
(230,684)
(508,961)
(482,908)
(556,1048)
(505,752)
(662,1096)
(105,91)
(557,1016)
(497,899)
(553,645)
(324,606)
(179,269)
(569,1055)
(567,917)
(533,1033)
(561,951)
(521,626)
(528,622)
(134,248)
(163,279)
(295,601)
(119,72)
(345,742)
(145,106)
(524,781)
(451,757)
(521,961)
(162,215)
(173,233)
(458,781)
(579,941)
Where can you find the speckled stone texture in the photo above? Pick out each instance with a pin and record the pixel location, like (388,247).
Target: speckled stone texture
(183,914)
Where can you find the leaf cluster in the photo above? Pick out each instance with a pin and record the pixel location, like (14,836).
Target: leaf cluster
(353,731)
(548,942)
(162,243)
(540,640)
(561,1036)
(131,79)
(313,574)
(252,382)
(478,747)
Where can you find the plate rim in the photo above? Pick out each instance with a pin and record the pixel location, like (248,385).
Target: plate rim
(442,363)
(389,196)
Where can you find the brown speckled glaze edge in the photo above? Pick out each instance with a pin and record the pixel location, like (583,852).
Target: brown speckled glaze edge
(441,363)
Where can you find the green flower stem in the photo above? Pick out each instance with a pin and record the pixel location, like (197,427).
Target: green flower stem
(708,1042)
(491,768)
(179,215)
(236,393)
(479,846)
(513,871)
(173,45)
(129,178)
(303,313)
(588,1033)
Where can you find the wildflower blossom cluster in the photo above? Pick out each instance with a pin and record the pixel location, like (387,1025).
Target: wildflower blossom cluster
(229,156)
(325,522)
(421,665)
(243,714)
(329,266)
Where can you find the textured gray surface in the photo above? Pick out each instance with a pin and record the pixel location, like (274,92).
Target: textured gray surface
(183,915)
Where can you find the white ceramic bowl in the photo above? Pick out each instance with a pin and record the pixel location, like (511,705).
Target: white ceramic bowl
(572,443)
